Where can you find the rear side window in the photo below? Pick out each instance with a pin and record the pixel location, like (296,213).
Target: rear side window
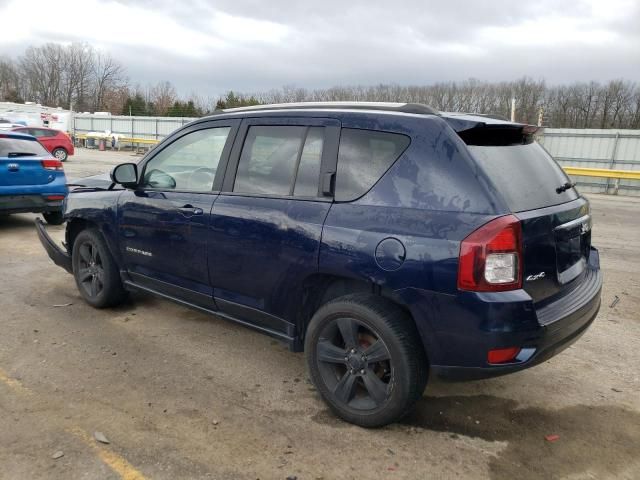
(45,133)
(364,156)
(12,147)
(280,160)
(525,175)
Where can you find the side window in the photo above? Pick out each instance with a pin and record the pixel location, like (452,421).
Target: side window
(363,157)
(280,160)
(189,163)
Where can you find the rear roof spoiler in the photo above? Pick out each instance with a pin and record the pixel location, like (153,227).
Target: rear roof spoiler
(486,130)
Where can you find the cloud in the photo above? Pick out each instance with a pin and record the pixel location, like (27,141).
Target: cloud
(255,45)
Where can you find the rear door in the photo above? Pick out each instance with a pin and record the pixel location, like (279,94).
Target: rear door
(46,138)
(267,222)
(556,221)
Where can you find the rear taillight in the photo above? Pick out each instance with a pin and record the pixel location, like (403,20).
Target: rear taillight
(491,257)
(51,164)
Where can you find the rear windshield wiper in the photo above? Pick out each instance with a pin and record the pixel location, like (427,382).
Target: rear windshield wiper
(565,187)
(21,154)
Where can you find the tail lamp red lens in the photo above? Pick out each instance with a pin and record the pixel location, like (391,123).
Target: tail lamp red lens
(491,257)
(503,355)
(55,197)
(51,164)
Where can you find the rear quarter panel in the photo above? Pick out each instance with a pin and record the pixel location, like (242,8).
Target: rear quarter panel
(429,200)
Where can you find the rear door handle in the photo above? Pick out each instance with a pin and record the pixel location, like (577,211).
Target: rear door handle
(190,211)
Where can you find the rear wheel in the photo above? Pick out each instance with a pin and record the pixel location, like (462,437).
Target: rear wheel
(365,358)
(53,218)
(95,271)
(60,153)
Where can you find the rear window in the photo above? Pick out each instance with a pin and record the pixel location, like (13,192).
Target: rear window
(364,156)
(525,175)
(13,147)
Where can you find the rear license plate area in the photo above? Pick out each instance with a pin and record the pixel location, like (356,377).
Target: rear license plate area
(573,241)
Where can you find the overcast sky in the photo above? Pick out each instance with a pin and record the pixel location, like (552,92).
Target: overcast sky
(211,47)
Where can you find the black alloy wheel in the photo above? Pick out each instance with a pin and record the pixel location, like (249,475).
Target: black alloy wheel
(365,357)
(90,269)
(96,273)
(355,364)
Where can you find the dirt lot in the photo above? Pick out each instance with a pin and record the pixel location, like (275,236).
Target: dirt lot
(180,394)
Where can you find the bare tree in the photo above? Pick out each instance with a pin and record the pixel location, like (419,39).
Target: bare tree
(42,68)
(78,62)
(9,81)
(163,95)
(107,74)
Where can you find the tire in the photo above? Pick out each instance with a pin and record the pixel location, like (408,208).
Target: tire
(95,271)
(365,358)
(53,218)
(60,153)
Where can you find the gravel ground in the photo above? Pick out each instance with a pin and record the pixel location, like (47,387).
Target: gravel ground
(180,394)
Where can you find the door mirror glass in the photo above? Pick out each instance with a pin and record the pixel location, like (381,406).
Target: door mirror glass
(125,174)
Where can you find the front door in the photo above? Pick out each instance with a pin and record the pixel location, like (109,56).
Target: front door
(267,222)
(163,224)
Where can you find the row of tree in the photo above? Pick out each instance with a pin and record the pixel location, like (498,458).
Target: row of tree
(56,75)
(86,79)
(615,104)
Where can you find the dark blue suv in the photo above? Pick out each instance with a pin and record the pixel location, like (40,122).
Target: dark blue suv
(387,241)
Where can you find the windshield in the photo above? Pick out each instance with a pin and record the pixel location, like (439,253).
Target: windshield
(525,175)
(13,147)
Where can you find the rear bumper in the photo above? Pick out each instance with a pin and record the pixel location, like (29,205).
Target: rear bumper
(29,203)
(59,256)
(459,330)
(552,341)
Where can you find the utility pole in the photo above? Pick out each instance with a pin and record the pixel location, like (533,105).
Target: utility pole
(513,109)
(72,119)
(540,116)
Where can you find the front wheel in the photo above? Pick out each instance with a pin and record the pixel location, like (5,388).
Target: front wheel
(60,154)
(95,270)
(366,360)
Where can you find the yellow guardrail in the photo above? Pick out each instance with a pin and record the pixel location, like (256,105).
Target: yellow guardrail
(147,141)
(603,173)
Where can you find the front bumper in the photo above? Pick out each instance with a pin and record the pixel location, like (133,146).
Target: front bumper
(10,204)
(59,256)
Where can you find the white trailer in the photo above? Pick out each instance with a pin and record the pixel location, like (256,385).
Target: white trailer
(36,115)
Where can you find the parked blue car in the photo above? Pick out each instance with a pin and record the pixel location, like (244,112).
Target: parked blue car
(31,180)
(390,242)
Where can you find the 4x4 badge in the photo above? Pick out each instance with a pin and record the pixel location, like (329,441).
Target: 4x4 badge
(537,276)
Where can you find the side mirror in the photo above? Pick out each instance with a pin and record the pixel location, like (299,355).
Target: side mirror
(125,174)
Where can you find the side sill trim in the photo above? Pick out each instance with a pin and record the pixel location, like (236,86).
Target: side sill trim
(272,333)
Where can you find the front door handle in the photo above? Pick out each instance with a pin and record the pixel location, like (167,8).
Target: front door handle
(190,211)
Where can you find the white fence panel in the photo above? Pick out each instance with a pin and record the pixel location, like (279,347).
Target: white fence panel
(591,148)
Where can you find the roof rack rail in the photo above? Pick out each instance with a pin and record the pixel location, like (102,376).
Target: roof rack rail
(418,108)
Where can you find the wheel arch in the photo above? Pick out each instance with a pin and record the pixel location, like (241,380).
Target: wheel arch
(318,289)
(76,224)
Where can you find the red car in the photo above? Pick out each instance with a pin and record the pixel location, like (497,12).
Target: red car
(56,141)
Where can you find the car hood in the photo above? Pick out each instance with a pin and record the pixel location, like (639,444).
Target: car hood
(94,181)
